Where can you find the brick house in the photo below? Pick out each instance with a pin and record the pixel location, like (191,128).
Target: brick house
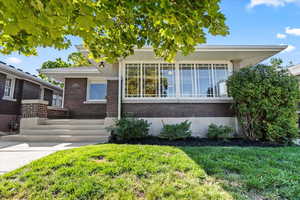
(192,88)
(17,86)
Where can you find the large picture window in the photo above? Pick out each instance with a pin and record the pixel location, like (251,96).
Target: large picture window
(187,80)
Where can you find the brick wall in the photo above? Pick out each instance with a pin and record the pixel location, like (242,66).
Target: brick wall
(57,113)
(75,96)
(112,98)
(30,110)
(178,109)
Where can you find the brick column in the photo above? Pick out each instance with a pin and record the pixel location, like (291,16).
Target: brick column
(35,108)
(34,112)
(112,99)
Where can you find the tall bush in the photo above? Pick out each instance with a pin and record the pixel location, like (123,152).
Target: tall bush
(265,101)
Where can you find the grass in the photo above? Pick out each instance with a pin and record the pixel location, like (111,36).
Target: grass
(113,171)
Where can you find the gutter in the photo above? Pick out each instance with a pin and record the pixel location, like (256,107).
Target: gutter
(26,76)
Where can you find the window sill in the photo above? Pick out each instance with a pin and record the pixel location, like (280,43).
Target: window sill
(95,102)
(180,100)
(8,98)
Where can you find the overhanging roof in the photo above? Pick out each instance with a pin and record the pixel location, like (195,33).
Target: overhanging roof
(246,55)
(9,69)
(295,70)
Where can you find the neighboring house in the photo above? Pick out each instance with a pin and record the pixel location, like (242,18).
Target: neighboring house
(16,86)
(191,88)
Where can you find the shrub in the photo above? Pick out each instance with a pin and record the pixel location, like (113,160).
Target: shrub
(176,131)
(127,129)
(219,132)
(265,101)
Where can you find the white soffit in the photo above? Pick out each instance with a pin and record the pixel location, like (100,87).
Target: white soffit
(295,70)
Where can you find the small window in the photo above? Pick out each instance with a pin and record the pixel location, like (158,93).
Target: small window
(9,88)
(97,91)
(57,100)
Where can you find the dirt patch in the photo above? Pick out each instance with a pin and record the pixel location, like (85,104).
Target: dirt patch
(99,159)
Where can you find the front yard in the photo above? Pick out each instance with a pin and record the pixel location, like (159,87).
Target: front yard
(113,171)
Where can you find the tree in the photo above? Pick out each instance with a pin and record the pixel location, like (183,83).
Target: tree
(265,101)
(58,63)
(76,59)
(276,62)
(110,29)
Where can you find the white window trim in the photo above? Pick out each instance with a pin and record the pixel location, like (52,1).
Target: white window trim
(177,78)
(89,82)
(12,90)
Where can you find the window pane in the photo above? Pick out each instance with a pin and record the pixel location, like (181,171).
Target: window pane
(132,85)
(97,91)
(186,80)
(150,80)
(167,81)
(220,77)
(7,88)
(204,80)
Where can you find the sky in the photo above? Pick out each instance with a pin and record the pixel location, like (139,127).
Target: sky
(251,22)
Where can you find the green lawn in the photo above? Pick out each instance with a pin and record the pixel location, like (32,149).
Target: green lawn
(158,172)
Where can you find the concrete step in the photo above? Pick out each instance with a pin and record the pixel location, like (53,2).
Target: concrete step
(54,138)
(69,127)
(46,132)
(74,121)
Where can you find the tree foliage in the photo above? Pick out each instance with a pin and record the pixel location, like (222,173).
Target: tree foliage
(110,29)
(76,59)
(266,101)
(58,63)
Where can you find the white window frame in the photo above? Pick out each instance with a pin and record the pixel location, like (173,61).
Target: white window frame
(12,88)
(94,81)
(177,79)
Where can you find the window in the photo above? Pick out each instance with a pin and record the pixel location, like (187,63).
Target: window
(57,100)
(186,80)
(9,88)
(159,80)
(150,80)
(167,80)
(96,91)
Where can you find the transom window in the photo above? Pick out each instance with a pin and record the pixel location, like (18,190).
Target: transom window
(166,80)
(96,91)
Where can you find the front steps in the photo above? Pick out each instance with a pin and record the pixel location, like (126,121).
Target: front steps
(63,130)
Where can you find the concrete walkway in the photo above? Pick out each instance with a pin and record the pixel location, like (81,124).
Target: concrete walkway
(15,154)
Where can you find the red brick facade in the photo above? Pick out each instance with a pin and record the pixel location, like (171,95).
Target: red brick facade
(112,98)
(75,97)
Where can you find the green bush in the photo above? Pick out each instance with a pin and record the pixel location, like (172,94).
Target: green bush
(219,132)
(176,131)
(127,129)
(265,101)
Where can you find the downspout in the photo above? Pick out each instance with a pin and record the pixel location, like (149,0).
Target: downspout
(119,90)
(63,95)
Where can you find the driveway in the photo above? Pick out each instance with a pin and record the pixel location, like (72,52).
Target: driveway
(15,154)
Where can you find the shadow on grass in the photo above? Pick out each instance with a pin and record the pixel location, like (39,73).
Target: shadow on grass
(251,172)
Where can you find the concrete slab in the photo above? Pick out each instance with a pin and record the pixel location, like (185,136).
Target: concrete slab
(14,155)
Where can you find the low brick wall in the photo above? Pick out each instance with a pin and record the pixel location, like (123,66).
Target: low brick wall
(34,108)
(57,113)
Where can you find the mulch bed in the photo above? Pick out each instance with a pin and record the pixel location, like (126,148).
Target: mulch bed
(201,142)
